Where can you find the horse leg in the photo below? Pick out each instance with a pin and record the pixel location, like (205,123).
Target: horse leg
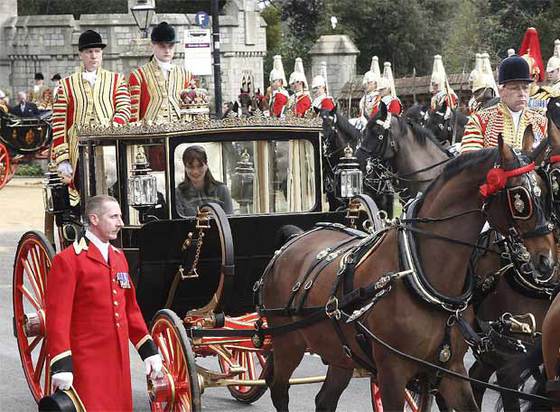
(392,382)
(482,372)
(336,381)
(458,394)
(288,351)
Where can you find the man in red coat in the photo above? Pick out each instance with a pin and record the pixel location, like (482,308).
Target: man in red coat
(321,101)
(279,96)
(92,315)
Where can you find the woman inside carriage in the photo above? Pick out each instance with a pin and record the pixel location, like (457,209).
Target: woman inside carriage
(200,186)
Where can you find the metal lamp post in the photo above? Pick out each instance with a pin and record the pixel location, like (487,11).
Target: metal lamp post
(143,13)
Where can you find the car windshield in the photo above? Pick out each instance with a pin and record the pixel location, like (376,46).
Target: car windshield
(245,177)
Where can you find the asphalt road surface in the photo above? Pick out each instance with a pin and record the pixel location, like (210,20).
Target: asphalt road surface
(21,210)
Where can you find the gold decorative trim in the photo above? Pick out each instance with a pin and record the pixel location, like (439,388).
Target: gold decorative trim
(61,356)
(200,123)
(142,341)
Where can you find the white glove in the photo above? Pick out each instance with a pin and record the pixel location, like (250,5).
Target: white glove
(62,380)
(154,366)
(65,168)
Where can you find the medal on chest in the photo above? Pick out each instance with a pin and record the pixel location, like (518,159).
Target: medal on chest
(123,279)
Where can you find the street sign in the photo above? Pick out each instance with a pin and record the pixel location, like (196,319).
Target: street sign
(198,51)
(201,19)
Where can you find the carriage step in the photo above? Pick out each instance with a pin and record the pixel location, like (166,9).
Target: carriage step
(552,386)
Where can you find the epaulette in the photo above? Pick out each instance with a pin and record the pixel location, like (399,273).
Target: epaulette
(80,245)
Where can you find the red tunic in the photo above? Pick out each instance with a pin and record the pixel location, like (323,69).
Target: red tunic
(302,105)
(278,102)
(394,106)
(90,319)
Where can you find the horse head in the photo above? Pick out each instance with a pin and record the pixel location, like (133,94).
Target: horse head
(527,221)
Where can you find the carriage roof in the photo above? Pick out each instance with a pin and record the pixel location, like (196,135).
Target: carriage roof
(198,126)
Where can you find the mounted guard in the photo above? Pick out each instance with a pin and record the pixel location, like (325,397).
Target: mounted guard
(553,68)
(278,94)
(440,88)
(483,84)
(386,93)
(369,99)
(299,102)
(509,117)
(530,50)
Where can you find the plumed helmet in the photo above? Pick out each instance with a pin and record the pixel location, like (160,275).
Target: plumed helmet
(277,69)
(2,94)
(318,81)
(514,68)
(554,61)
(383,83)
(530,50)
(369,76)
(484,78)
(298,74)
(164,32)
(388,75)
(90,39)
(477,67)
(438,73)
(63,401)
(323,73)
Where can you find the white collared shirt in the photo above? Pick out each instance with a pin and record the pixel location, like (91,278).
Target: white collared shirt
(165,67)
(516,116)
(102,246)
(90,77)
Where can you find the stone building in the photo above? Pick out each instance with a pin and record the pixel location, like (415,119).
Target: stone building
(29,44)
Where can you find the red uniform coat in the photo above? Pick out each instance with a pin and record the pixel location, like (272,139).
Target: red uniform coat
(323,102)
(302,103)
(278,102)
(90,319)
(393,104)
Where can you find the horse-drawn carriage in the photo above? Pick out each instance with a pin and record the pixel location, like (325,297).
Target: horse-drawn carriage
(197,276)
(22,139)
(194,275)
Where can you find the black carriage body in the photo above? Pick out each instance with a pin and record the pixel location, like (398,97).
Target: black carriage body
(155,249)
(25,135)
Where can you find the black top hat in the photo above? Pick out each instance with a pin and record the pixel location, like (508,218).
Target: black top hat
(56,77)
(39,76)
(61,401)
(514,69)
(90,39)
(163,32)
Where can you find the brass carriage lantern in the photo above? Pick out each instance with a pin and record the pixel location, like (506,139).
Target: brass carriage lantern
(142,185)
(56,199)
(242,182)
(348,176)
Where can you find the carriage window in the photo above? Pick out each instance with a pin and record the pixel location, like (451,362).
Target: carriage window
(106,171)
(245,177)
(155,154)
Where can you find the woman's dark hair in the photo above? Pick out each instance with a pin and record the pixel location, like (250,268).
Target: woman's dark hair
(197,153)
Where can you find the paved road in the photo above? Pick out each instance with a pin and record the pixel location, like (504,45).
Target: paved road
(21,206)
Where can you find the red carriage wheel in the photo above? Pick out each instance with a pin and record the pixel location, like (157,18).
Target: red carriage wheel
(179,389)
(5,166)
(417,398)
(256,365)
(32,263)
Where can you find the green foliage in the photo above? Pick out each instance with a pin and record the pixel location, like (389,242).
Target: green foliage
(29,169)
(33,7)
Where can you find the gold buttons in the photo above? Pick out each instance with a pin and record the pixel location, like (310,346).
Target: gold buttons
(114,291)
(117,315)
(115,303)
(118,325)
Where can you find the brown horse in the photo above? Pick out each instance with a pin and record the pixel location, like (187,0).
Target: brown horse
(455,213)
(550,348)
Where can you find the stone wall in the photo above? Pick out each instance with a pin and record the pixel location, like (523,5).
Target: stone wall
(49,44)
(340,53)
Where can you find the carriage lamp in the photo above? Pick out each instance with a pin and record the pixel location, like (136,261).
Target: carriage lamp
(142,185)
(348,176)
(242,182)
(143,12)
(56,199)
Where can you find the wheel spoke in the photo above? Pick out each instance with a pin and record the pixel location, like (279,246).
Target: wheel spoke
(33,344)
(32,279)
(29,297)
(163,347)
(170,346)
(38,256)
(40,362)
(251,369)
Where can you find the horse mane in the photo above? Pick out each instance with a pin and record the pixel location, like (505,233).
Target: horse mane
(421,134)
(347,128)
(463,162)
